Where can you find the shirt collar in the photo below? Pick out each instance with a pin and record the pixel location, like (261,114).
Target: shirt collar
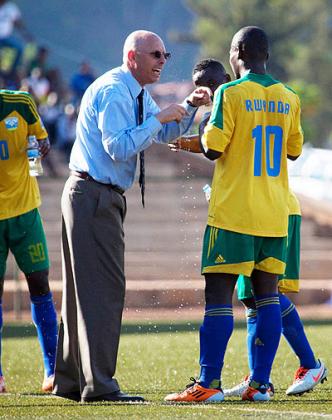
(133,85)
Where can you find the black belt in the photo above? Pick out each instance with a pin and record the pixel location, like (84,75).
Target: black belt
(87,177)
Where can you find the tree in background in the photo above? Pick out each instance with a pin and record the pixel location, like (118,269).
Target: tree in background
(300,34)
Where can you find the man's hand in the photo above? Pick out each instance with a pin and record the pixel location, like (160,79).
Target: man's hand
(44,147)
(200,96)
(173,112)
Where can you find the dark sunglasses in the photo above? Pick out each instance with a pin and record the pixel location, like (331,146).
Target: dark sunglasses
(158,54)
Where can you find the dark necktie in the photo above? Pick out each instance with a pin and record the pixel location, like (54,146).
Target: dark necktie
(141,179)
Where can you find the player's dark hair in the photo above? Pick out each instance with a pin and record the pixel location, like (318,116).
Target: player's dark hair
(254,42)
(209,63)
(210,73)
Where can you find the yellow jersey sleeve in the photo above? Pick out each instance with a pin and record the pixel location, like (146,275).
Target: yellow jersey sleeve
(219,131)
(295,139)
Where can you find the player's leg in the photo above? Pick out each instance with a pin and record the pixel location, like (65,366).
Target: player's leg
(270,256)
(220,254)
(45,320)
(2,381)
(28,244)
(311,371)
(246,297)
(214,335)
(3,258)
(268,331)
(217,326)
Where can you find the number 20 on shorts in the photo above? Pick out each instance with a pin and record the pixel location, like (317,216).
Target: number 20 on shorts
(272,136)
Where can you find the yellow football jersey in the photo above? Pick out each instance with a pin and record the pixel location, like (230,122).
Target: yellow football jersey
(293,204)
(19,192)
(255,123)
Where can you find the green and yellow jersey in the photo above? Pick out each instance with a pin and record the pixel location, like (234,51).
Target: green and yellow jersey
(19,192)
(294,207)
(255,123)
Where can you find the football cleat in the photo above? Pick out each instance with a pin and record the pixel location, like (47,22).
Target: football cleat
(239,389)
(256,392)
(196,393)
(47,385)
(2,385)
(306,379)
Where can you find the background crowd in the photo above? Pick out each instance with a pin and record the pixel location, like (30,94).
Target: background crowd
(24,65)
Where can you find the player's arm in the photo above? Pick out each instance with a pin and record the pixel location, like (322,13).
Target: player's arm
(295,139)
(36,127)
(219,129)
(209,153)
(44,146)
(290,157)
(188,143)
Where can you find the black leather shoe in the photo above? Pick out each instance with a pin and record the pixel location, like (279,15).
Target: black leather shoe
(74,396)
(116,396)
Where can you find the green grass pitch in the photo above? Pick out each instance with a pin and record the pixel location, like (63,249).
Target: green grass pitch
(155,360)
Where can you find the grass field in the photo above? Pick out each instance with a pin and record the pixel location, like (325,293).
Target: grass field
(154,361)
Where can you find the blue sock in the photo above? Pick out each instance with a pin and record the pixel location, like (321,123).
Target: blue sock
(251,337)
(292,329)
(1,324)
(214,335)
(268,333)
(44,317)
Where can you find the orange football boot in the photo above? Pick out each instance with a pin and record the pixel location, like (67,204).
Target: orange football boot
(196,393)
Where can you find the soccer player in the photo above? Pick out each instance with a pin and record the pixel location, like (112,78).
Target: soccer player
(254,127)
(21,229)
(311,372)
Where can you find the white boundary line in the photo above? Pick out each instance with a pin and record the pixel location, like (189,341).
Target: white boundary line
(293,413)
(256,411)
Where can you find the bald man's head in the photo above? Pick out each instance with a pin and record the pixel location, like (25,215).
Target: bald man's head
(144,55)
(138,40)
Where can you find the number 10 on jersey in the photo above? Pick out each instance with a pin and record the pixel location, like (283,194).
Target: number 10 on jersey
(272,136)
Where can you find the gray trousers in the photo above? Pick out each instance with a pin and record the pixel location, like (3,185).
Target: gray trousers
(93,288)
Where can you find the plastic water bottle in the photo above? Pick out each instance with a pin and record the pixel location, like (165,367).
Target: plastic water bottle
(35,165)
(207,191)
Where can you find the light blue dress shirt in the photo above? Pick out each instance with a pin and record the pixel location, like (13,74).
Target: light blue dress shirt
(108,138)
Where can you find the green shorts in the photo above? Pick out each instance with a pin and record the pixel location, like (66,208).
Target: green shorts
(24,236)
(236,253)
(289,282)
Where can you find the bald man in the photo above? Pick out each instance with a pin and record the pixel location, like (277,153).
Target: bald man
(118,120)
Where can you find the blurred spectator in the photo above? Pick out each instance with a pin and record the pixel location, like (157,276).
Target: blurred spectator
(50,111)
(10,18)
(81,81)
(39,60)
(52,74)
(56,82)
(37,85)
(66,129)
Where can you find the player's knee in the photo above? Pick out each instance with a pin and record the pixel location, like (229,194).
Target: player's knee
(38,283)
(217,291)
